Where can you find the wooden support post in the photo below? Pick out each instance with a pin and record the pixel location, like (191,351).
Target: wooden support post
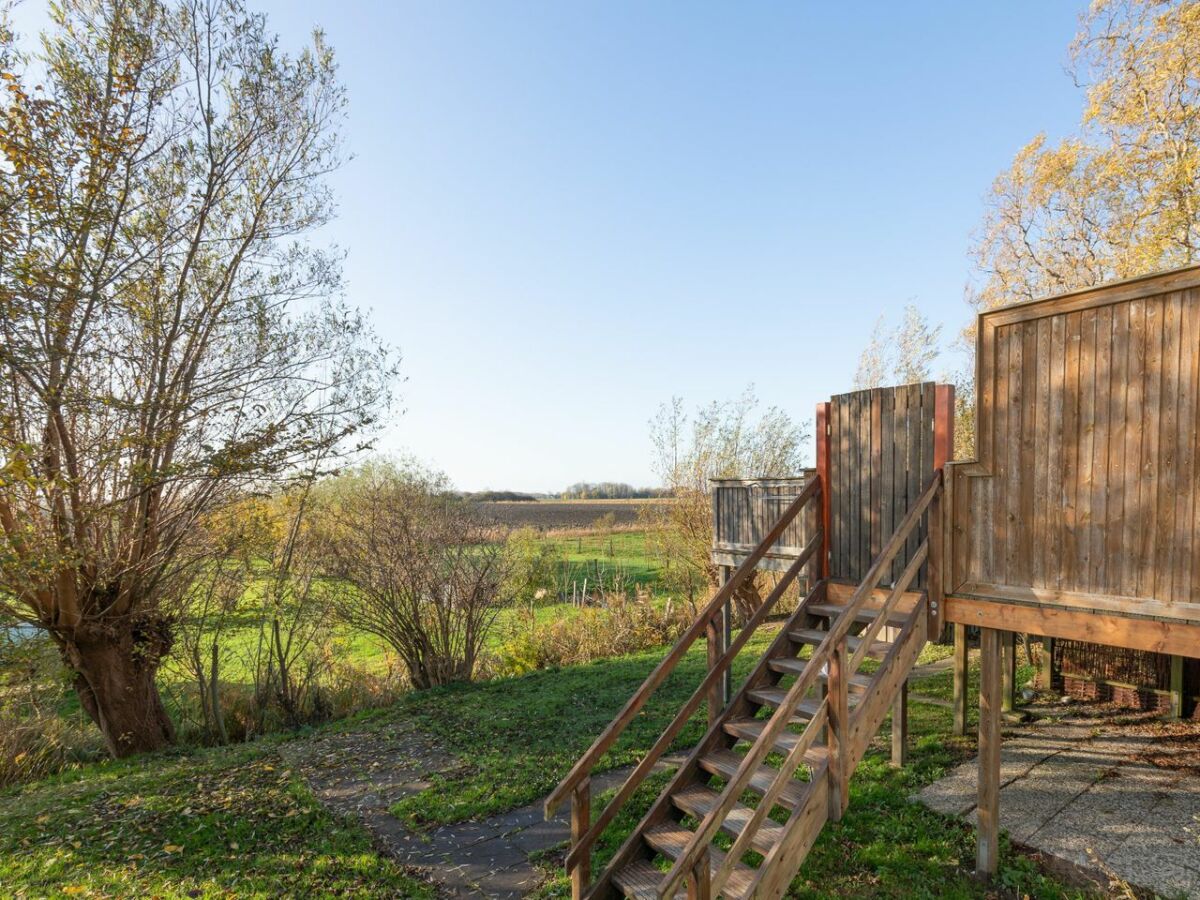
(581,820)
(1045,669)
(961,675)
(1008,701)
(988,808)
(1176,687)
(699,882)
(838,732)
(900,727)
(823,471)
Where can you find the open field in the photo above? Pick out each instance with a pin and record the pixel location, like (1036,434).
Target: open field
(553,515)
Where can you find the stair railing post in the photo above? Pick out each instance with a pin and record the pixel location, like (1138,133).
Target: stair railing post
(838,731)
(581,818)
(699,882)
(714,634)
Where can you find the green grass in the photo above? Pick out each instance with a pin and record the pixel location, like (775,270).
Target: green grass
(521,735)
(623,551)
(216,823)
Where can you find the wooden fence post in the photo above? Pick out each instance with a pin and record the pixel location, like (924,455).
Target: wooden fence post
(943,452)
(988,808)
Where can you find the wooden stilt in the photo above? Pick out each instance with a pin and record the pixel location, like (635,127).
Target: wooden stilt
(988,849)
(1008,701)
(961,698)
(1176,687)
(1045,669)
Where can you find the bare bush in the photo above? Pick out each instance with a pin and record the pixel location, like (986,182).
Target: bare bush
(721,440)
(622,624)
(416,567)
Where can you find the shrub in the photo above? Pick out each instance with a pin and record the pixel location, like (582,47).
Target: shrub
(533,566)
(621,625)
(36,739)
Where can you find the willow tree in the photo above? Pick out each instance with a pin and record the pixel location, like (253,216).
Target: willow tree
(1120,196)
(172,337)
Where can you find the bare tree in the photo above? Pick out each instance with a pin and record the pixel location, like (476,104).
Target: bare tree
(730,439)
(904,355)
(169,334)
(421,570)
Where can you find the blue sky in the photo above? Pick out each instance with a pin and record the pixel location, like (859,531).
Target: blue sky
(565,213)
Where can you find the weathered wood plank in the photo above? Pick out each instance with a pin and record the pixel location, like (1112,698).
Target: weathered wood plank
(1118,426)
(1166,552)
(1080,538)
(1099,522)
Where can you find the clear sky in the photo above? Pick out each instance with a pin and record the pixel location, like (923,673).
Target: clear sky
(563,213)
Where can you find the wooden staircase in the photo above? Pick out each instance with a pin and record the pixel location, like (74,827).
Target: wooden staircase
(741,813)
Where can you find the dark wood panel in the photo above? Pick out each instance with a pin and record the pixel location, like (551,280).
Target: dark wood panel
(883,458)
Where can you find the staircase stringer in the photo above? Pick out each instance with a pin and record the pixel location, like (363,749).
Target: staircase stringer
(715,738)
(805,824)
(893,672)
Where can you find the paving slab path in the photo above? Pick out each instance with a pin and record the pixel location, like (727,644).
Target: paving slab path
(1114,800)
(362,775)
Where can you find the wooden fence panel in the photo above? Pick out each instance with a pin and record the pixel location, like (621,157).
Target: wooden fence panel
(1086,488)
(882,442)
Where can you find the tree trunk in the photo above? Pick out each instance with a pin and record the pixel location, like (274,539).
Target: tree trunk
(114,678)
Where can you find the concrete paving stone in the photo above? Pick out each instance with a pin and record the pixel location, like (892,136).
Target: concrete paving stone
(1165,862)
(517,819)
(489,856)
(540,836)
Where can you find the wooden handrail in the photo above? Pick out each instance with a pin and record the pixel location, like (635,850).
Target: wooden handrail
(698,844)
(583,767)
(644,767)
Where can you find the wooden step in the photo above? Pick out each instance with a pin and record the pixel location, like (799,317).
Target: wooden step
(725,763)
(814,636)
(699,800)
(671,839)
(865,615)
(751,729)
(791,665)
(773,697)
(640,881)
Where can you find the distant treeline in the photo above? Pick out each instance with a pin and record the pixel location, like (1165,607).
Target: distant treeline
(498,496)
(611,490)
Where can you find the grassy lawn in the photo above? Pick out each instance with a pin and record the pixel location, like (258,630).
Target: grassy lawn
(216,823)
(521,735)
